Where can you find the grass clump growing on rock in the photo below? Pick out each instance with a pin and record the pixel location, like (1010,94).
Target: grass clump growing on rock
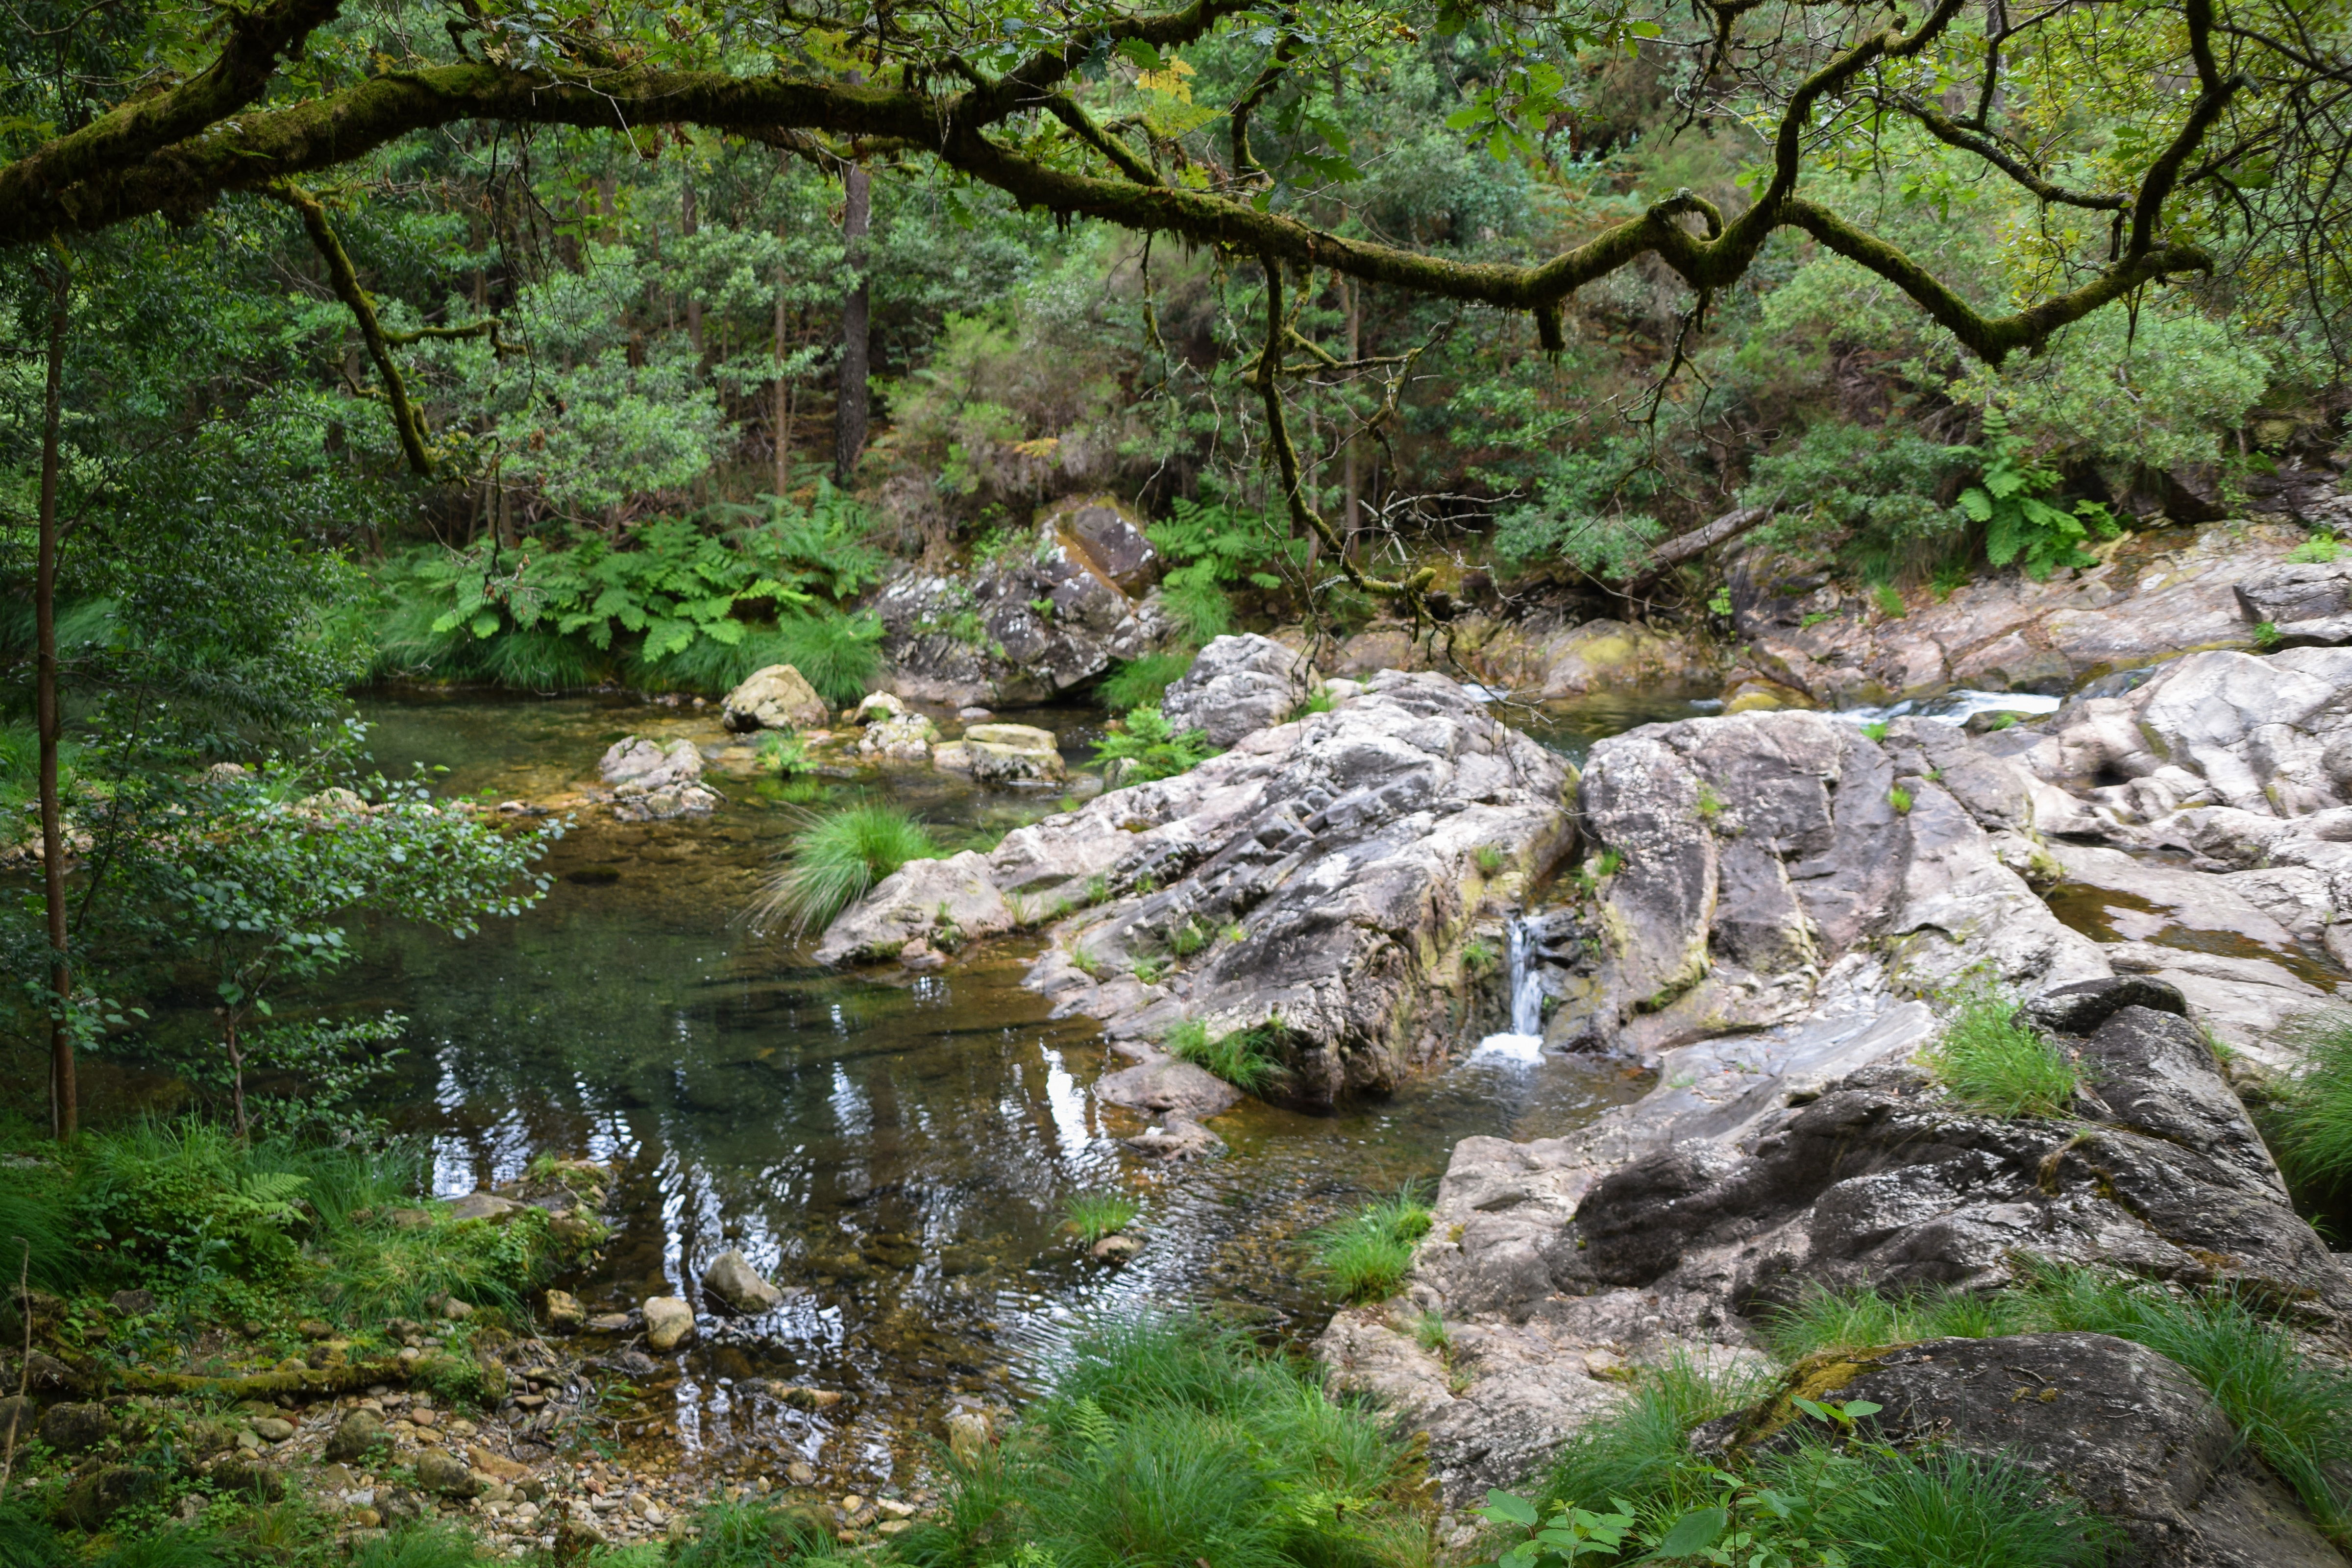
(2309,1125)
(2293,1410)
(1170,1441)
(1094,1215)
(838,857)
(1366,1257)
(1244,1058)
(1993,1063)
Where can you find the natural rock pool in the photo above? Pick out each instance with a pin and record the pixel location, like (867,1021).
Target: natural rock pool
(893,1149)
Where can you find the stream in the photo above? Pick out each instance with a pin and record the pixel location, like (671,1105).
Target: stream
(893,1149)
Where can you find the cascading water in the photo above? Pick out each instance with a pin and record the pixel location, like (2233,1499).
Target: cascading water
(1524,1040)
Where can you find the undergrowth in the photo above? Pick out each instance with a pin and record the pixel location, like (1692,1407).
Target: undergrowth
(1146,748)
(838,857)
(2293,1410)
(1628,1487)
(2309,1122)
(1366,1255)
(1093,1215)
(1170,1441)
(1142,682)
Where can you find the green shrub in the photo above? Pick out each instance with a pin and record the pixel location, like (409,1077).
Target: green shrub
(1142,682)
(1366,1257)
(2309,1124)
(2317,551)
(1152,750)
(1094,1215)
(1218,547)
(1246,1058)
(2017,523)
(839,856)
(1168,1441)
(1992,1063)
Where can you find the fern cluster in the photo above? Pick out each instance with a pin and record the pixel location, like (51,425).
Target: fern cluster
(2019,524)
(1218,548)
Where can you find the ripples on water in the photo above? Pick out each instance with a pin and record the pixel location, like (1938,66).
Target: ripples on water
(896,1149)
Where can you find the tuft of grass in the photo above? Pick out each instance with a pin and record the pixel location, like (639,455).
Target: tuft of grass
(1710,803)
(750,1534)
(1890,602)
(1992,1063)
(2309,1124)
(837,858)
(1478,956)
(1094,1215)
(1142,682)
(1366,1257)
(2267,635)
(1866,1319)
(1148,970)
(1900,799)
(1875,730)
(1246,1059)
(836,653)
(1491,861)
(1597,870)
(2316,551)
(1941,1508)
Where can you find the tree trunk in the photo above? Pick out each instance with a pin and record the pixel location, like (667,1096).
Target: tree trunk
(850,409)
(783,412)
(693,305)
(1351,476)
(236,1066)
(48,717)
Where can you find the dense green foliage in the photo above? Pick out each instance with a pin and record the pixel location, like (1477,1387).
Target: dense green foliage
(2309,1124)
(272,1227)
(1145,746)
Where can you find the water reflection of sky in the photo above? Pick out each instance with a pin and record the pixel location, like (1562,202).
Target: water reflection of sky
(895,1149)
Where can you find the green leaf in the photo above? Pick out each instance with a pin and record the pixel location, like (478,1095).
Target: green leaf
(1976,504)
(1694,1533)
(485,624)
(1503,1507)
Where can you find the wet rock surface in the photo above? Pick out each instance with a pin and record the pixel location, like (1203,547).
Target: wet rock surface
(1238,685)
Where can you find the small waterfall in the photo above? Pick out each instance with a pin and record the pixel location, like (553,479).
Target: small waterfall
(1524,1040)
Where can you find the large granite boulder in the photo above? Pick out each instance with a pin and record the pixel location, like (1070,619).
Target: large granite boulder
(1746,855)
(1745,1180)
(775,698)
(1031,622)
(1238,685)
(1320,880)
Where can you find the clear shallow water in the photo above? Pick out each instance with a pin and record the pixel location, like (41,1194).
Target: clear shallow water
(895,1148)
